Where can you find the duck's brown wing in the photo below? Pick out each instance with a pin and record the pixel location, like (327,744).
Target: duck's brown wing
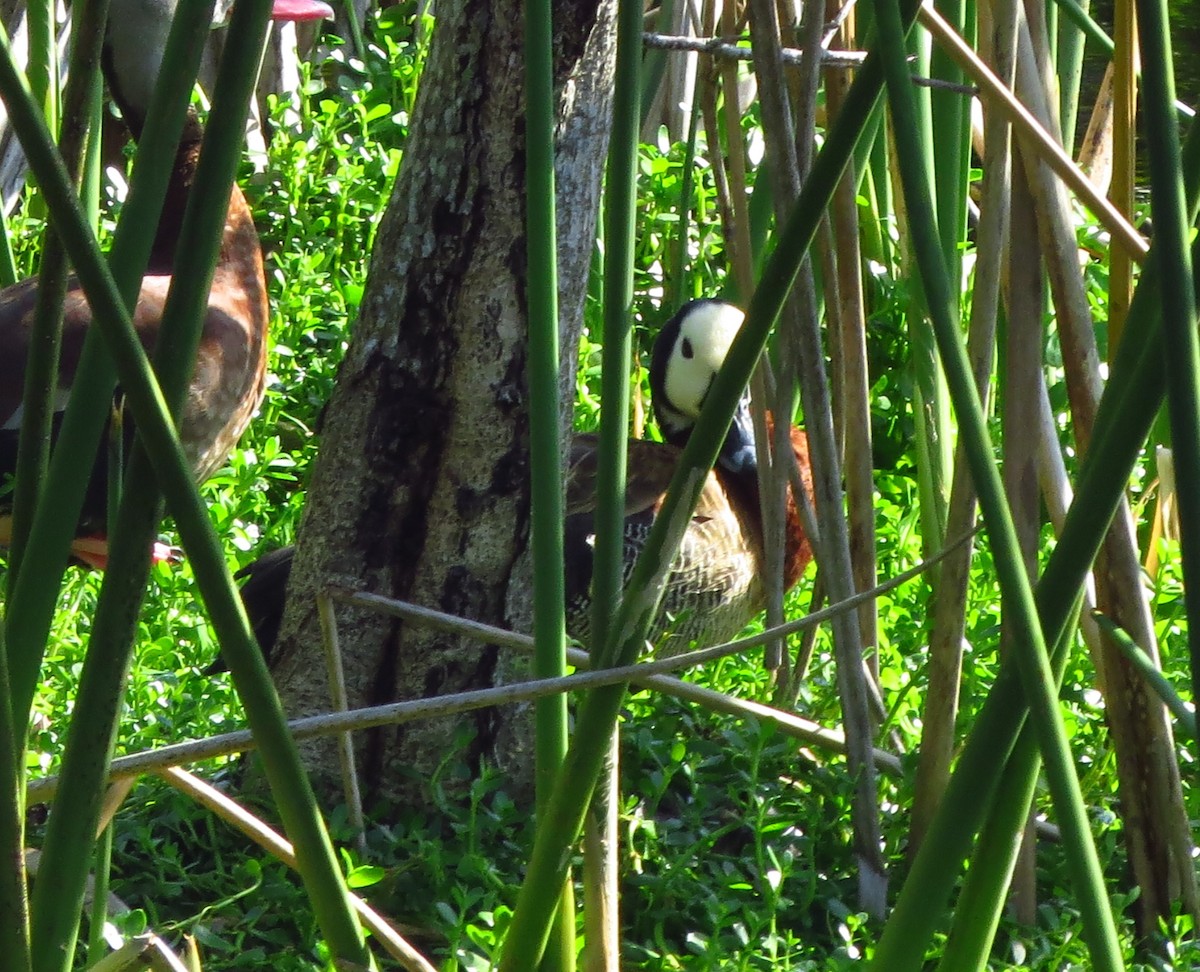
(17,309)
(649,469)
(225,387)
(713,588)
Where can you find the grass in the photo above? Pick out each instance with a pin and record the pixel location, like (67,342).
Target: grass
(737,841)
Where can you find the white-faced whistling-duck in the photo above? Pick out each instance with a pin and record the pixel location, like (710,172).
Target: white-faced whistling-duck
(715,586)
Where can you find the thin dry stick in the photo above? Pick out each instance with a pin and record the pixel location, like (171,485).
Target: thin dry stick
(645,674)
(785,176)
(719,47)
(395,713)
(337,696)
(1041,141)
(856,398)
(146,951)
(243,820)
(708,698)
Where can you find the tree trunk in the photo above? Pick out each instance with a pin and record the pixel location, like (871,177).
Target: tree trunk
(421,488)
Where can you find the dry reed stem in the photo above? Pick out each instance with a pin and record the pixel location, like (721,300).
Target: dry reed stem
(244,821)
(340,702)
(950,598)
(1042,142)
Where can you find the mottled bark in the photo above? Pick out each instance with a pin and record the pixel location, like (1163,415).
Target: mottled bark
(421,488)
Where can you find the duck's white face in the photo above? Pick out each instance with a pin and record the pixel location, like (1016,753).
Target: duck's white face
(705,332)
(705,335)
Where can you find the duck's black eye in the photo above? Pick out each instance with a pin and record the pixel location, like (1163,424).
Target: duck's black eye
(686,348)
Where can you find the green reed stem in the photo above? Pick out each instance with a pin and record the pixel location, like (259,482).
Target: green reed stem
(1069,64)
(619,224)
(45,337)
(532,918)
(42,71)
(97,947)
(1130,401)
(1030,648)
(316,861)
(93,162)
(981,899)
(31,605)
(545,427)
(985,890)
(1169,210)
(14,901)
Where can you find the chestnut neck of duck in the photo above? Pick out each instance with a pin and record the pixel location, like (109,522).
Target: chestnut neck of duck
(239,274)
(240,241)
(179,189)
(743,487)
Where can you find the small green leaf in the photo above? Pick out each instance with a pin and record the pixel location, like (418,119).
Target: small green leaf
(365,876)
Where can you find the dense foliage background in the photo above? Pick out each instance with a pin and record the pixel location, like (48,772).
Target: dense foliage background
(737,840)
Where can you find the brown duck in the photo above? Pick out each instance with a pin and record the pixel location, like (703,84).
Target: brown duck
(227,383)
